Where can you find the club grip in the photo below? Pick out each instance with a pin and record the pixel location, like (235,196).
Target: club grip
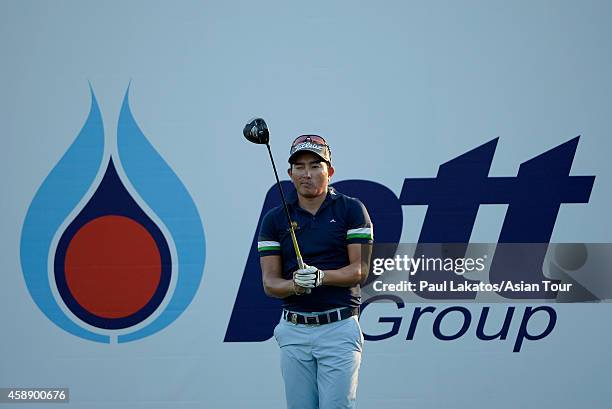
(296,247)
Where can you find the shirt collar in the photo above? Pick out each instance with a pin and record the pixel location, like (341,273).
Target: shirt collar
(333,193)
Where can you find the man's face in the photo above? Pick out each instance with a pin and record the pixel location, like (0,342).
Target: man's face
(310,175)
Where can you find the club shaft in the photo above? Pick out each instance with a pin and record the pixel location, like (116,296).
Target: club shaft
(296,247)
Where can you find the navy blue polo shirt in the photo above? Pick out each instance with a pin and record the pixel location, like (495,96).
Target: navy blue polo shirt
(323,240)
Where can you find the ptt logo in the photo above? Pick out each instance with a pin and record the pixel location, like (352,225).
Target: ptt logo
(112,246)
(453,198)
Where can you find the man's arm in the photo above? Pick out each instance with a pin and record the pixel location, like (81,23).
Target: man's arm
(357,270)
(273,282)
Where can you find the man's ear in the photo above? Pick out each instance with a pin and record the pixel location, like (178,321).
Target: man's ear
(330,170)
(289,170)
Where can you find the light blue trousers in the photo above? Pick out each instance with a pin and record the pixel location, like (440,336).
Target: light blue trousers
(320,364)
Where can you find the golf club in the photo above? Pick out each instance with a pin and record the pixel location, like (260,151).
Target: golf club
(256,131)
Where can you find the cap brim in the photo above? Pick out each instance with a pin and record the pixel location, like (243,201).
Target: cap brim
(313,150)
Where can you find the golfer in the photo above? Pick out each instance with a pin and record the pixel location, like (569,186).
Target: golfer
(319,334)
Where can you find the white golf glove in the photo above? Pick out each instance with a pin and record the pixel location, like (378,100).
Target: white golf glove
(308,277)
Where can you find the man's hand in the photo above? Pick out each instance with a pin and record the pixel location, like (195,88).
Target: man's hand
(308,277)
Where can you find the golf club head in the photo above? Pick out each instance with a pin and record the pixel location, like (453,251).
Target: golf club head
(256,131)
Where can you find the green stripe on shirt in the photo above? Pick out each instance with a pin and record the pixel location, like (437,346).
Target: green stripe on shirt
(359,236)
(269,248)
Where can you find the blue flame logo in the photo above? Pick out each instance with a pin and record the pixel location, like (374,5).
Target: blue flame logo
(111,256)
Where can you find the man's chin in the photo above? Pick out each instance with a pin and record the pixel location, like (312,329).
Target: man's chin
(310,194)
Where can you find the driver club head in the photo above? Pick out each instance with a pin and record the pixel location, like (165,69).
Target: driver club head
(256,131)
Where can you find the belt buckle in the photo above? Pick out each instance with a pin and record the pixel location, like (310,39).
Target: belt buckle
(294,318)
(314,318)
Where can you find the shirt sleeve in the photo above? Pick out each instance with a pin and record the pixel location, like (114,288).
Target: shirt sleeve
(360,228)
(268,243)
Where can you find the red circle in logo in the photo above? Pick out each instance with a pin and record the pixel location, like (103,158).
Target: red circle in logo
(113,266)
